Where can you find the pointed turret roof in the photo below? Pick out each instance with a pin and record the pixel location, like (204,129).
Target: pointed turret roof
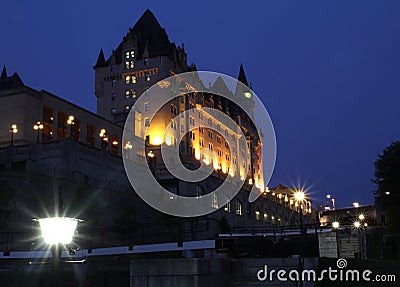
(11,82)
(4,72)
(242,75)
(101,61)
(148,34)
(220,86)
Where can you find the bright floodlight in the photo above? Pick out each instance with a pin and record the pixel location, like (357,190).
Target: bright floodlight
(357,224)
(58,229)
(361,216)
(335,224)
(299,196)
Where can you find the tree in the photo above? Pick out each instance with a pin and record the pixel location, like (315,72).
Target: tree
(387,180)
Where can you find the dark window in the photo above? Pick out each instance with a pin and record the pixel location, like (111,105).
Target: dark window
(48,119)
(62,126)
(90,134)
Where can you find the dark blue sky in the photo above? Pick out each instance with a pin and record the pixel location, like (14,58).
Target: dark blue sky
(327,71)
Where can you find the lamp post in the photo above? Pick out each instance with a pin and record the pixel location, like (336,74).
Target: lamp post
(70,122)
(335,225)
(299,197)
(58,233)
(104,139)
(37,127)
(13,130)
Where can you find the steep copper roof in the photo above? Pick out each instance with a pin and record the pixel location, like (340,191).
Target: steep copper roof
(148,34)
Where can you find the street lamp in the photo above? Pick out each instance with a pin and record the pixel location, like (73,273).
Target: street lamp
(58,233)
(70,122)
(335,225)
(58,230)
(37,127)
(13,130)
(299,197)
(104,138)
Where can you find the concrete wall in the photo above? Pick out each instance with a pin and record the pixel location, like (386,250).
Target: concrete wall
(211,272)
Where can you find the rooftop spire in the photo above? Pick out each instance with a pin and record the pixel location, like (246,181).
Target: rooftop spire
(242,76)
(100,59)
(4,72)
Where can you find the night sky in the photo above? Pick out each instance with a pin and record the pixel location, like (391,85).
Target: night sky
(327,71)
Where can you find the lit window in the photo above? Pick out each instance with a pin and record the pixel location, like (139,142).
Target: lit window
(147,77)
(113,97)
(133,94)
(146,122)
(133,80)
(214,203)
(173,124)
(127,79)
(113,110)
(219,152)
(129,65)
(173,109)
(258,215)
(129,54)
(146,61)
(146,106)
(238,208)
(127,94)
(127,108)
(227,207)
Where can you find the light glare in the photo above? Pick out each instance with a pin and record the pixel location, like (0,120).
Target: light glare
(58,229)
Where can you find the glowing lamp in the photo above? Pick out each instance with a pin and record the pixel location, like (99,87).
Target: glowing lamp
(299,196)
(57,230)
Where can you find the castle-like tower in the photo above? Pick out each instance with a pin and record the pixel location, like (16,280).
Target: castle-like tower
(144,57)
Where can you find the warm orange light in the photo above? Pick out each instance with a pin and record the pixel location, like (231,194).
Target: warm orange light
(299,195)
(224,169)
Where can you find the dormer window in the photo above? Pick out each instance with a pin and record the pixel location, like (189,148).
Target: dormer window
(130,54)
(129,65)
